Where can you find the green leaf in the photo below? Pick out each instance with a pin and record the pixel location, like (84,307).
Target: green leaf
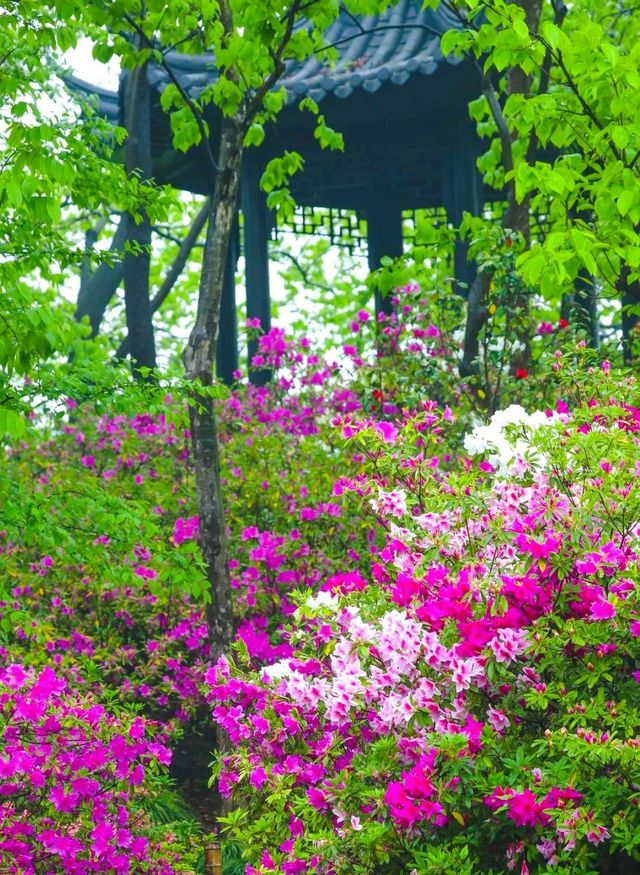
(12,424)
(255,135)
(520,29)
(625,201)
(103,52)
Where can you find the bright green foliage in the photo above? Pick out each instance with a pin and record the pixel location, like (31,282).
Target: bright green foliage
(56,169)
(576,134)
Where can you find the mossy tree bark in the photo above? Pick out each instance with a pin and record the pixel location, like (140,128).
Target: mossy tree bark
(199,359)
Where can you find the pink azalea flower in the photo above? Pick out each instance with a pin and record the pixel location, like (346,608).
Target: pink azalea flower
(602,609)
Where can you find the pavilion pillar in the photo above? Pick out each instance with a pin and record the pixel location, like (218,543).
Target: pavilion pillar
(384,238)
(257,230)
(462,191)
(227,351)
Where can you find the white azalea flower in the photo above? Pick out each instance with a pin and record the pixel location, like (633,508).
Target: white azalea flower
(322,600)
(278,670)
(510,454)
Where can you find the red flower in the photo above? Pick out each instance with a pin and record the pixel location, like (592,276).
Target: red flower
(521,374)
(563,323)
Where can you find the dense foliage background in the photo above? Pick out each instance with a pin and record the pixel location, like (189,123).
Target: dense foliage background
(393,593)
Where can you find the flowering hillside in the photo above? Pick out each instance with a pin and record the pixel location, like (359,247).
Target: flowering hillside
(438,647)
(471,701)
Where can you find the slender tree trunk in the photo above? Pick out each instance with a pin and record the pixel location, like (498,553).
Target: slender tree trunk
(137,262)
(477,315)
(173,274)
(516,217)
(199,359)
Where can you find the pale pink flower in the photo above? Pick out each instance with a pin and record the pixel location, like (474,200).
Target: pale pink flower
(508,644)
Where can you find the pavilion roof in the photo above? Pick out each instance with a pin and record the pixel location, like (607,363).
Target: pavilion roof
(401,42)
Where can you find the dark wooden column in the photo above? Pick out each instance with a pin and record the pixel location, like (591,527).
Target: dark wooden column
(257,229)
(227,352)
(384,237)
(136,264)
(462,191)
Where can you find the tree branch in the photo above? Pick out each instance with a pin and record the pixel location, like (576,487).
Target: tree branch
(184,94)
(278,62)
(100,287)
(559,14)
(167,235)
(504,133)
(583,103)
(381,29)
(304,273)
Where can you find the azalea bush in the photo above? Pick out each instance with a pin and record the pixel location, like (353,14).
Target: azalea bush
(397,358)
(434,666)
(471,702)
(101,545)
(102,577)
(280,454)
(101,584)
(76,782)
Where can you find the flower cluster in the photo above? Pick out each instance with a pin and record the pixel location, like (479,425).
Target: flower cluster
(438,640)
(71,779)
(492,639)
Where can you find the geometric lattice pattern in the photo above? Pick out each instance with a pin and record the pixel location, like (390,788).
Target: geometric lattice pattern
(341,227)
(421,226)
(346,229)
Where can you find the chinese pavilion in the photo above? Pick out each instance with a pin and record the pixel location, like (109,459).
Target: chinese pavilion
(409,143)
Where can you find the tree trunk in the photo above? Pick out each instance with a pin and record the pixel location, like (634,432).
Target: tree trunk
(97,289)
(516,217)
(137,116)
(199,359)
(477,315)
